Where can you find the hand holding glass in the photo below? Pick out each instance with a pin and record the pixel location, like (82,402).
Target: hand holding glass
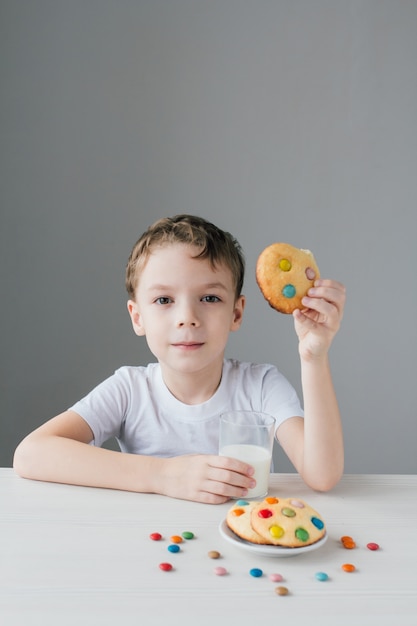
(249,437)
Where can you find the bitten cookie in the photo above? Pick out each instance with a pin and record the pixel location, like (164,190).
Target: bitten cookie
(287,522)
(285,274)
(238,520)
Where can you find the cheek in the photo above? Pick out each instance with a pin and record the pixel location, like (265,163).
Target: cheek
(154,324)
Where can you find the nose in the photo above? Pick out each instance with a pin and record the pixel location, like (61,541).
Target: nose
(187,317)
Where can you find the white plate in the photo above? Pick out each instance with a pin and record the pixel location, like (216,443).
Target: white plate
(230,536)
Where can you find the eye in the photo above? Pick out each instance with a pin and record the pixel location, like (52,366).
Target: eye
(163,300)
(210,299)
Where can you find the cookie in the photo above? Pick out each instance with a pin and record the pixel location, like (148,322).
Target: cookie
(287,522)
(285,274)
(238,520)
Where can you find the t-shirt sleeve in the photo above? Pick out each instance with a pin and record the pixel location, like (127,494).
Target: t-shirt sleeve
(105,407)
(279,398)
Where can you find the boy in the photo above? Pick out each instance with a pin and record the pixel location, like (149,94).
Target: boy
(184,279)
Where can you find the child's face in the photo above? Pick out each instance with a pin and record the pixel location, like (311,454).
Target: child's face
(185,308)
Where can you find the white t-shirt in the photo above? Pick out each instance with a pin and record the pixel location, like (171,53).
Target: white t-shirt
(135,406)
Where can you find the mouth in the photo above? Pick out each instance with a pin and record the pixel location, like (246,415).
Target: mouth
(188,345)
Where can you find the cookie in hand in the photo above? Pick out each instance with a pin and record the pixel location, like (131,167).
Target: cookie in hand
(285,274)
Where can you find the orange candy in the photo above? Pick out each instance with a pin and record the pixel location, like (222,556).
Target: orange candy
(348,542)
(238,512)
(348,567)
(176,539)
(271,500)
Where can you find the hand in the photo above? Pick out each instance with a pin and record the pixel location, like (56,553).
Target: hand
(205,478)
(317,324)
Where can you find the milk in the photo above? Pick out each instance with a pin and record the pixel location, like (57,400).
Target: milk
(259,458)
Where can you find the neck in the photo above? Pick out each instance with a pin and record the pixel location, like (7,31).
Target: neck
(195,387)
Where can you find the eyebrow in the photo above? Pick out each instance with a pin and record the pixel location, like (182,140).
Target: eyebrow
(204,287)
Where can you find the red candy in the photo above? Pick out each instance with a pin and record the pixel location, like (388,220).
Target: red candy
(372,546)
(265,513)
(155,536)
(165,567)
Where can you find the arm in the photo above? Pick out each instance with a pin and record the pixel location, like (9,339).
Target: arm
(59,451)
(315,444)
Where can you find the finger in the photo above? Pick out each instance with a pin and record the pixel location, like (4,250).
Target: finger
(333,296)
(230,479)
(224,490)
(231,464)
(324,286)
(318,305)
(328,282)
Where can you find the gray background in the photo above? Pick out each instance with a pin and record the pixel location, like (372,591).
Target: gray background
(278,120)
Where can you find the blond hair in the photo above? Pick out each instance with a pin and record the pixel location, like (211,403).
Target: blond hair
(216,245)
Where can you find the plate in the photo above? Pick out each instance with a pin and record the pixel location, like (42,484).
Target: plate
(263,550)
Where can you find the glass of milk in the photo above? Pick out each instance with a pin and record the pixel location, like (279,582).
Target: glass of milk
(249,437)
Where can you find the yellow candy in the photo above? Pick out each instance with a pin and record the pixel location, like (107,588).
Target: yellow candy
(276,531)
(285,265)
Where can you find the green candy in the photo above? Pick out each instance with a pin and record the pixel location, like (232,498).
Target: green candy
(302,534)
(188,535)
(288,512)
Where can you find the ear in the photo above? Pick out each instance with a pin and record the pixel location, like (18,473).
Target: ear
(238,313)
(136,318)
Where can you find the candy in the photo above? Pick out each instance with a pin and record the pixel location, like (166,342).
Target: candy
(322,576)
(288,512)
(220,571)
(310,273)
(276,578)
(176,539)
(297,503)
(174,547)
(348,542)
(317,523)
(276,531)
(155,536)
(348,567)
(165,567)
(285,265)
(238,512)
(265,513)
(271,500)
(256,572)
(302,534)
(288,291)
(188,535)
(372,546)
(213,554)
(345,538)
(242,503)
(281,591)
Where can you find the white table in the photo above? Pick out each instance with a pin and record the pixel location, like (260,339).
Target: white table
(74,555)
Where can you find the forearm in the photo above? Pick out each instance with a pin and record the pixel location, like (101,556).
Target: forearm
(211,479)
(59,459)
(323,454)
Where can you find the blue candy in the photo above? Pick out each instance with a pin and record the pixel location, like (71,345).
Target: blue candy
(256,572)
(174,548)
